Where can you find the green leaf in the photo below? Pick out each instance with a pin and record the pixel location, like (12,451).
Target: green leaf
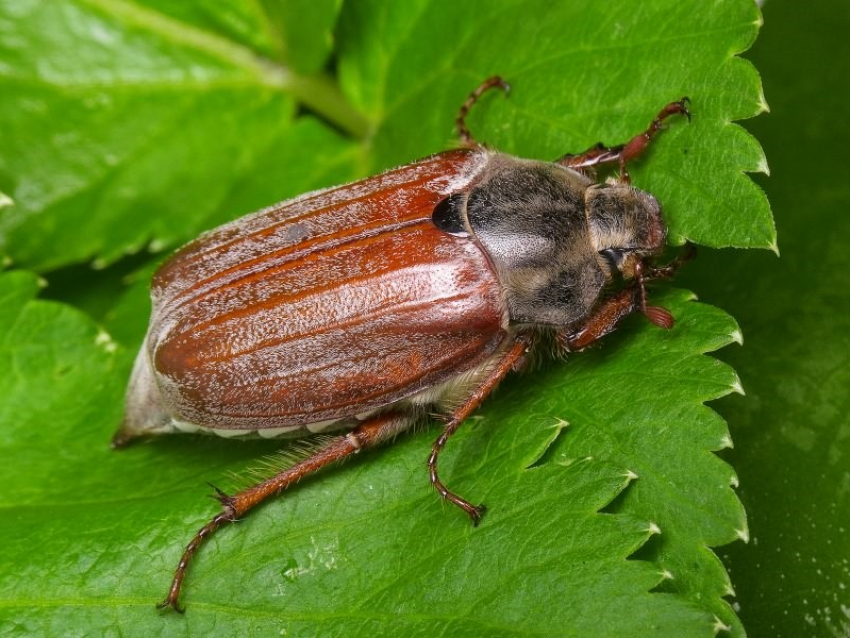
(161,118)
(57,385)
(243,23)
(305,29)
(109,524)
(153,120)
(135,136)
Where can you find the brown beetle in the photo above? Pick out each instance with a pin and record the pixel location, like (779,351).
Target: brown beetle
(365,307)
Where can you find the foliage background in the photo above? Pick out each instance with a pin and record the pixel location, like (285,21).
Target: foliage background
(88,534)
(792,429)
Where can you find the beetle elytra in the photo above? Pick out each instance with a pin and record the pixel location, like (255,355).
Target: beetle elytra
(359,309)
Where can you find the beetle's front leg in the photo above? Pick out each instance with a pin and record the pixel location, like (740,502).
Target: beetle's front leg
(594,156)
(603,321)
(510,360)
(610,313)
(624,153)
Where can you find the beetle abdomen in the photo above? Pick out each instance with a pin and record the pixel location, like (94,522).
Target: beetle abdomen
(326,306)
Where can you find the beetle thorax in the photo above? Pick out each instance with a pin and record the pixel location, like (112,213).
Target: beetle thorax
(530,219)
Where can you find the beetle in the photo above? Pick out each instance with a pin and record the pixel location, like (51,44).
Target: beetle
(365,307)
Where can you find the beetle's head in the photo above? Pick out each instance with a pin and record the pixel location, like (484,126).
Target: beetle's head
(625,226)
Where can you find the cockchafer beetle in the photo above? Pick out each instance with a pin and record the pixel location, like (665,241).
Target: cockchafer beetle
(368,306)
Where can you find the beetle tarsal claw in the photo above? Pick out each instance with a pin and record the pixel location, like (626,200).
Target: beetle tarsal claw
(168,603)
(684,104)
(227,501)
(219,494)
(477,513)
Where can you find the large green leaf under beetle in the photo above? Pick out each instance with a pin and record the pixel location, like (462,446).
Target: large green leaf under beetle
(139,124)
(368,547)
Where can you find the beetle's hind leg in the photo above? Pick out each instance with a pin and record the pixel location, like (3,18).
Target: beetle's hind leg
(624,153)
(462,131)
(511,359)
(368,434)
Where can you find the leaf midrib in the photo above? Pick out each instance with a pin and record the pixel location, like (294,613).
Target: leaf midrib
(181,33)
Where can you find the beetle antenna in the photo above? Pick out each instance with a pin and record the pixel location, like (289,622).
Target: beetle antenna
(658,315)
(462,131)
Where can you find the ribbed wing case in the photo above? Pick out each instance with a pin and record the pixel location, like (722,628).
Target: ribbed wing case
(325,306)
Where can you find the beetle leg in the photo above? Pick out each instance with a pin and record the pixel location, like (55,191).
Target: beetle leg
(595,155)
(509,361)
(624,153)
(367,434)
(489,83)
(610,312)
(602,322)
(624,302)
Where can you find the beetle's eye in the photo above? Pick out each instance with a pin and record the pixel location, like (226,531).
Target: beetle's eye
(448,215)
(614,258)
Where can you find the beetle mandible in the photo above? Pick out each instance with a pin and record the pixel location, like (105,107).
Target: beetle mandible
(364,307)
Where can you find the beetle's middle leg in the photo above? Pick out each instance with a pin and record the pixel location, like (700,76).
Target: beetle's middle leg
(509,361)
(624,153)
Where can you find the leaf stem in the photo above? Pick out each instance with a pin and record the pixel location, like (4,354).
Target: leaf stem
(318,92)
(321,94)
